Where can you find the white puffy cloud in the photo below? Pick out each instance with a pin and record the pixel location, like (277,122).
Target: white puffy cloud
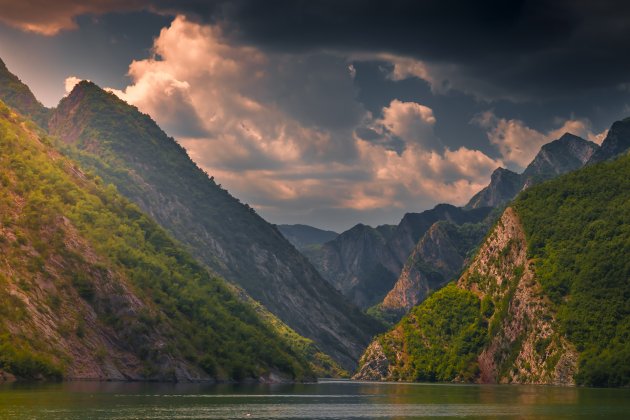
(70,83)
(519,144)
(267,127)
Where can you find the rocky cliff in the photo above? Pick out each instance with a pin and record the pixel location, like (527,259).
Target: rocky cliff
(511,328)
(438,257)
(364,263)
(543,300)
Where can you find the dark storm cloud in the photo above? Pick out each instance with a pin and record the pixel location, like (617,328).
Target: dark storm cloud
(505,48)
(510,49)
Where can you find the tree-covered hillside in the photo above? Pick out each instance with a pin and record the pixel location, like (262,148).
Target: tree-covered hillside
(545,300)
(578,232)
(91,287)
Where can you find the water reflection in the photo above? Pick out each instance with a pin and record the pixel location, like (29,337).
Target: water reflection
(342,399)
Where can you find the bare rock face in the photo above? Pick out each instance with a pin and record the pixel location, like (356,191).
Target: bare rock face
(365,263)
(438,257)
(525,345)
(374,365)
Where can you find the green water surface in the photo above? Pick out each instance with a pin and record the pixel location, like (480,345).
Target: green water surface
(325,400)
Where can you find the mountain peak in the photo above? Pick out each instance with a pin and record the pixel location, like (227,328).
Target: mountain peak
(18,96)
(617,142)
(565,154)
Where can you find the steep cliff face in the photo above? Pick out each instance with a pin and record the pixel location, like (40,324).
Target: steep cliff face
(437,258)
(358,263)
(524,343)
(364,263)
(128,149)
(497,322)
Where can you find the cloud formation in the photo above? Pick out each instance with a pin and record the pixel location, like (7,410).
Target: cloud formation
(518,143)
(493,49)
(50,17)
(290,159)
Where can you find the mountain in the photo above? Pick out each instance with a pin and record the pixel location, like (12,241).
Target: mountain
(560,156)
(504,186)
(127,148)
(18,96)
(365,262)
(617,141)
(304,236)
(91,288)
(437,258)
(544,300)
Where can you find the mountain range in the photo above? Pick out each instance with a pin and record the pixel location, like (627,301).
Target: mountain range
(544,300)
(123,260)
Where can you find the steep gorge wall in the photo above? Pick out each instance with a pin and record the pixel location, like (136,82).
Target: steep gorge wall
(521,344)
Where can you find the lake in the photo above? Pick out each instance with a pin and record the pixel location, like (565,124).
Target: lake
(325,400)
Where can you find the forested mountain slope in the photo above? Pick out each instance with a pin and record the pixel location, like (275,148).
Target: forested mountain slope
(91,288)
(128,149)
(544,301)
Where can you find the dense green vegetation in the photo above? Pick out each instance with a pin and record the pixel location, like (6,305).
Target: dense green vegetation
(440,338)
(205,321)
(578,232)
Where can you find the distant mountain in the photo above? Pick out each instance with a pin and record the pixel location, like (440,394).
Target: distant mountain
(504,186)
(437,258)
(128,149)
(544,301)
(364,262)
(617,142)
(560,156)
(18,96)
(91,288)
(303,236)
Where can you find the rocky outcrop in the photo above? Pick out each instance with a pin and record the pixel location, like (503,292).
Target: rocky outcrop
(438,257)
(374,365)
(525,345)
(503,187)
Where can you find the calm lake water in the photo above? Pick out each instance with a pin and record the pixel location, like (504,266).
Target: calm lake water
(325,400)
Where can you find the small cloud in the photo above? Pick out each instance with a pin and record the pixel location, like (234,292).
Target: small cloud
(71,82)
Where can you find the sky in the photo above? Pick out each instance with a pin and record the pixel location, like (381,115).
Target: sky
(332,113)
